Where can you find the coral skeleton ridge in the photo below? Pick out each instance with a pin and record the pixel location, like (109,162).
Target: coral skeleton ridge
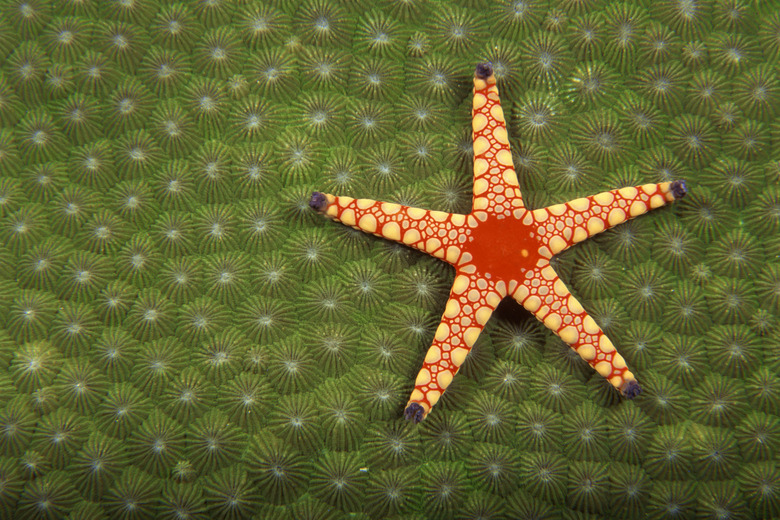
(502,249)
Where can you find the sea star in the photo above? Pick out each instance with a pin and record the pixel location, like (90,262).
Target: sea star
(502,248)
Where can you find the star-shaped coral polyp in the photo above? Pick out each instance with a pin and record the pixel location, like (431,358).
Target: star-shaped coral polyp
(502,249)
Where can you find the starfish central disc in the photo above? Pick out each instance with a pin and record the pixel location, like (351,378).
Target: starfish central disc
(503,249)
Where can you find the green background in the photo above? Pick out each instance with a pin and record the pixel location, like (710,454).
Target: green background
(182,337)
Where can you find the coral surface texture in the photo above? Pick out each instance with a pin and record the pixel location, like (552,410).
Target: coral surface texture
(183,337)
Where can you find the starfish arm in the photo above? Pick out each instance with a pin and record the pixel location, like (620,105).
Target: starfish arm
(563,225)
(470,305)
(548,298)
(496,190)
(434,232)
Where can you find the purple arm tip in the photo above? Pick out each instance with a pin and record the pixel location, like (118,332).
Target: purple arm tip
(631,389)
(318,201)
(414,412)
(484,70)
(679,189)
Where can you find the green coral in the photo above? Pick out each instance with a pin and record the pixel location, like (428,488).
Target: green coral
(180,335)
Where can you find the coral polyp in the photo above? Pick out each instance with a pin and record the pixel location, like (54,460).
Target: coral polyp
(263,25)
(433,76)
(444,486)
(663,84)
(103,233)
(97,464)
(631,487)
(601,137)
(53,493)
(157,362)
(494,468)
(200,320)
(507,380)
(244,399)
(174,27)
(455,31)
(343,419)
(73,328)
(230,494)
(290,367)
(157,443)
(218,54)
(321,23)
(663,400)
(35,365)
(546,58)
(95,74)
(544,476)
(114,353)
(39,137)
(693,139)
(279,472)
(380,34)
(151,316)
(645,121)
(732,52)
(273,70)
(682,358)
(212,441)
(133,492)
(81,386)
(28,64)
(391,492)
(624,25)
(759,483)
(719,401)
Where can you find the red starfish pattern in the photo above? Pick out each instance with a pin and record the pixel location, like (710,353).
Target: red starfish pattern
(502,249)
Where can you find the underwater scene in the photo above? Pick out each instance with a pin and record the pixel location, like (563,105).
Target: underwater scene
(227,239)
